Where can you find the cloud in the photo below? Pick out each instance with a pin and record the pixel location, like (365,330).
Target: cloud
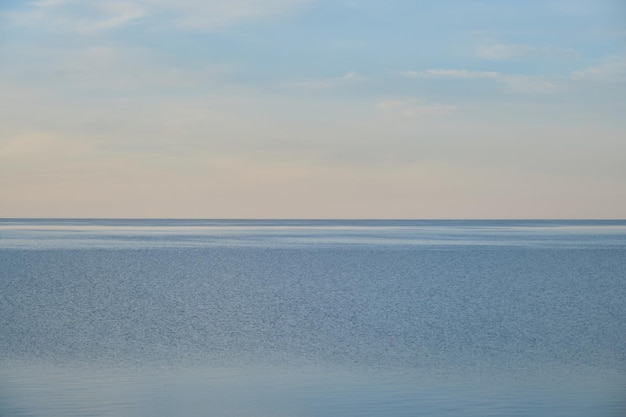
(97,16)
(511,82)
(115,14)
(612,69)
(528,85)
(501,52)
(107,70)
(350,77)
(50,3)
(215,14)
(88,18)
(451,73)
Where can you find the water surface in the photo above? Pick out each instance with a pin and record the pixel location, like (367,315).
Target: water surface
(312,318)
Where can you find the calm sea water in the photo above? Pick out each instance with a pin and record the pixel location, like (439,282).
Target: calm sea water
(312,318)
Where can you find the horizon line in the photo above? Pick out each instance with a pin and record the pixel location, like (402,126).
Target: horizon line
(320,218)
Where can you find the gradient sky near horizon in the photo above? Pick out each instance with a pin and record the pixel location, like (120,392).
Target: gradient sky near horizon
(313,108)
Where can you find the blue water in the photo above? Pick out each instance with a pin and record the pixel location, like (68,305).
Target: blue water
(312,318)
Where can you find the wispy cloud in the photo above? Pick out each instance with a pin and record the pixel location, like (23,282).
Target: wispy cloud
(114,14)
(523,84)
(451,73)
(108,70)
(508,51)
(612,69)
(350,77)
(511,82)
(97,16)
(87,18)
(215,14)
(49,3)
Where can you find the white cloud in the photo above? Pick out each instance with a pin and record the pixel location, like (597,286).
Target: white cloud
(528,85)
(499,52)
(96,16)
(613,69)
(87,18)
(107,69)
(215,14)
(512,82)
(50,3)
(348,78)
(451,73)
(114,14)
(610,70)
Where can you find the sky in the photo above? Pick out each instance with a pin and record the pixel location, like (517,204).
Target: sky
(313,109)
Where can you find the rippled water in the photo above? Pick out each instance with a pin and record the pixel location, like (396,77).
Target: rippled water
(312,318)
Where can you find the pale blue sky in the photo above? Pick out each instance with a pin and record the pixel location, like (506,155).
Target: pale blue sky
(304,108)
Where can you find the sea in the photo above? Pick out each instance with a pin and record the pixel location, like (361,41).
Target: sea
(312,318)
